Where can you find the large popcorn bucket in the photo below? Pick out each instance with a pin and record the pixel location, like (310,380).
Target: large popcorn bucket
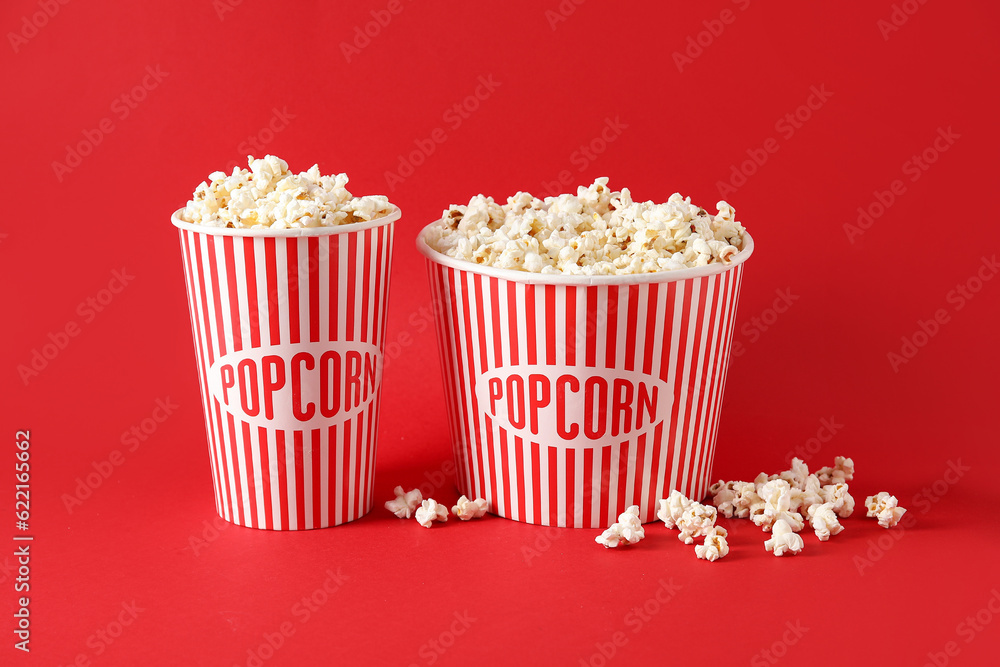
(288,328)
(572,397)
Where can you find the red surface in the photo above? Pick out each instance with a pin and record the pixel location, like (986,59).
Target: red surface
(825,358)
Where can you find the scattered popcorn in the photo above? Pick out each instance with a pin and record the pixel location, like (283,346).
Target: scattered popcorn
(430,511)
(747,503)
(467,509)
(268,195)
(610,538)
(842,471)
(782,504)
(777,495)
(630,526)
(824,521)
(757,508)
(783,540)
(715,546)
(595,232)
(404,504)
(723,496)
(762,479)
(812,494)
(843,502)
(765,520)
(670,510)
(797,475)
(885,508)
(627,530)
(696,520)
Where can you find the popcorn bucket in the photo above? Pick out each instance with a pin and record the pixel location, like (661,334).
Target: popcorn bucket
(288,328)
(572,397)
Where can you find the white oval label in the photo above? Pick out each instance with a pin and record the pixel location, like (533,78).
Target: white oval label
(297,385)
(572,406)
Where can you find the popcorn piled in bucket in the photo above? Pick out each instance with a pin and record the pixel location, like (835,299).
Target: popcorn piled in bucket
(780,504)
(595,232)
(268,195)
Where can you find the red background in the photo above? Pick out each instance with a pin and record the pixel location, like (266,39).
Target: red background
(825,358)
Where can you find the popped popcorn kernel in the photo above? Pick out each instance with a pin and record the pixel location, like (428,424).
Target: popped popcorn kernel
(777,495)
(268,195)
(783,540)
(885,508)
(466,509)
(843,502)
(746,502)
(797,475)
(405,503)
(715,545)
(723,495)
(824,521)
(430,511)
(670,509)
(696,520)
(762,479)
(812,494)
(595,232)
(627,530)
(842,471)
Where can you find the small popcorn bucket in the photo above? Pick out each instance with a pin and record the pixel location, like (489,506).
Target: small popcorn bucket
(288,329)
(571,398)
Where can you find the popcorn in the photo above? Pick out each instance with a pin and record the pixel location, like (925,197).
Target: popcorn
(630,526)
(695,521)
(628,530)
(467,509)
(405,503)
(843,502)
(811,495)
(692,518)
(268,195)
(776,495)
(715,546)
(777,503)
(762,479)
(797,475)
(723,495)
(765,520)
(671,509)
(747,503)
(783,540)
(842,471)
(610,538)
(430,511)
(595,232)
(824,521)
(885,508)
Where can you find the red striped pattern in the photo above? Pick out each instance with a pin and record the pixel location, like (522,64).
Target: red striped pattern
(678,332)
(247,292)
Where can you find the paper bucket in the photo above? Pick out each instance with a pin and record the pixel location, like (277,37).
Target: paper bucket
(572,397)
(288,330)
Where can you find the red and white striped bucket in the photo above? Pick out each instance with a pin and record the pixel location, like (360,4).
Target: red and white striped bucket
(572,397)
(288,328)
